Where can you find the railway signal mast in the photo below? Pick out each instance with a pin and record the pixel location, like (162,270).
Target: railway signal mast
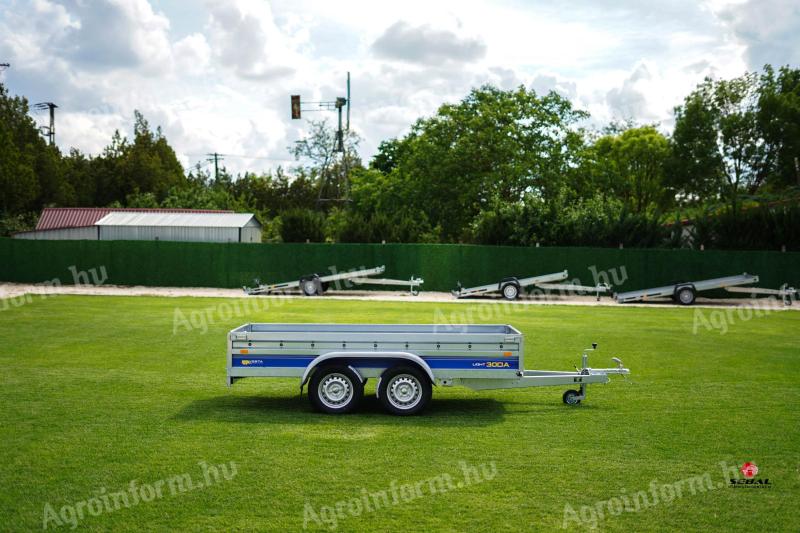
(342,105)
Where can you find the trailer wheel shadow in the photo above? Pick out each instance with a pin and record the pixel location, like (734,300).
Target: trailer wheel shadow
(294,410)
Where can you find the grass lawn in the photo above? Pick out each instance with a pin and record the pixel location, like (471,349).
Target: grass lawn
(98,392)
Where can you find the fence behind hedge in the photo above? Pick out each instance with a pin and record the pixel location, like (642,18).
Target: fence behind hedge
(158,263)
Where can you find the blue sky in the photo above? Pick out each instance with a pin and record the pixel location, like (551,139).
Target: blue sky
(216,76)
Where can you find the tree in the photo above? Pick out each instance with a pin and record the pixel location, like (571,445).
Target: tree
(779,121)
(149,164)
(718,141)
(20,145)
(492,146)
(317,155)
(389,153)
(301,225)
(632,164)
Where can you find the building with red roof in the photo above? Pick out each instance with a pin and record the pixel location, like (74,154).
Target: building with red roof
(95,223)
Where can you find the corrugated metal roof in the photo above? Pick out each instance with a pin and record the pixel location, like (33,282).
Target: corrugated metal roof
(78,217)
(198,220)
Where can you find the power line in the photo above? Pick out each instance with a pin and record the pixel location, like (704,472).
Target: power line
(258,157)
(244,157)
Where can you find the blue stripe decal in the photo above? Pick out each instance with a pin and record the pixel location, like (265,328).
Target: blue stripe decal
(301,361)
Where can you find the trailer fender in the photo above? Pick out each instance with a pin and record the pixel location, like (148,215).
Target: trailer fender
(510,288)
(400,356)
(314,288)
(682,287)
(503,281)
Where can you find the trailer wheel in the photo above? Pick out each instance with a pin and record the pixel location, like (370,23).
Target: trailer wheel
(335,389)
(685,296)
(404,390)
(310,286)
(571,397)
(510,291)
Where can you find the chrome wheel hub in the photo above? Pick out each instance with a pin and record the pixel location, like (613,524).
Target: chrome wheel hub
(335,390)
(404,391)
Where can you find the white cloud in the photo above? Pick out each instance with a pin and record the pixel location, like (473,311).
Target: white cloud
(192,54)
(218,77)
(114,34)
(245,38)
(428,45)
(769,29)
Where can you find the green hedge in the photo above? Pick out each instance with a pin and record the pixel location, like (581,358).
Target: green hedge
(158,263)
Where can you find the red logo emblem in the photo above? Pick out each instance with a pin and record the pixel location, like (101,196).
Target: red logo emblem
(749,470)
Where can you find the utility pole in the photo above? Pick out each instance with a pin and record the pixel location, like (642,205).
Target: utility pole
(49,131)
(216,158)
(4,66)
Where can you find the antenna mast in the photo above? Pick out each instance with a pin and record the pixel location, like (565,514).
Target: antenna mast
(49,131)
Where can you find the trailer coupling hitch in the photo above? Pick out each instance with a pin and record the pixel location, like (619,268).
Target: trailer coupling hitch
(620,366)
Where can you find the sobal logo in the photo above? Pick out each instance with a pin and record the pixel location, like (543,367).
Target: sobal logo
(749,470)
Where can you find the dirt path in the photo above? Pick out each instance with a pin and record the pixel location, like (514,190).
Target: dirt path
(17,290)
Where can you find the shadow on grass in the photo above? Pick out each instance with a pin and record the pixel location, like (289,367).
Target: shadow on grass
(295,410)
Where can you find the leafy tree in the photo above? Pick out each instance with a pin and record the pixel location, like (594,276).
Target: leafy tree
(389,153)
(718,140)
(149,164)
(20,145)
(301,225)
(276,193)
(78,172)
(779,121)
(492,146)
(632,164)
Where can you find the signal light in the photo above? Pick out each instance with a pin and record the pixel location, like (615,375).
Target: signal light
(295,106)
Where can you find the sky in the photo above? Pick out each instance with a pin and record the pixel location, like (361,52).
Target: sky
(217,76)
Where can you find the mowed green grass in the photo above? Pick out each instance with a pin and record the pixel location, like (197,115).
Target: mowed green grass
(98,391)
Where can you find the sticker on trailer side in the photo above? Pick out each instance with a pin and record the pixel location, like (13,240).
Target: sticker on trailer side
(448,362)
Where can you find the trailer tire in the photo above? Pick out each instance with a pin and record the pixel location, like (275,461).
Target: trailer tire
(510,290)
(335,389)
(310,285)
(404,390)
(571,397)
(685,296)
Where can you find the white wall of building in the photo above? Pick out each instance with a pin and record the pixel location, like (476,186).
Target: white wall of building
(64,234)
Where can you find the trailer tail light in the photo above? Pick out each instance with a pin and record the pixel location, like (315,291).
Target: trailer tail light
(506,354)
(244,350)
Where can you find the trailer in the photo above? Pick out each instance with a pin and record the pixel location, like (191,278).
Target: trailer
(510,288)
(786,293)
(685,293)
(407,360)
(315,284)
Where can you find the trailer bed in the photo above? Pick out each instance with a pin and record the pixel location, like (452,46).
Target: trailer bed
(690,287)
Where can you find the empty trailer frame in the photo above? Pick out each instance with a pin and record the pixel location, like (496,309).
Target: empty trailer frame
(685,293)
(316,284)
